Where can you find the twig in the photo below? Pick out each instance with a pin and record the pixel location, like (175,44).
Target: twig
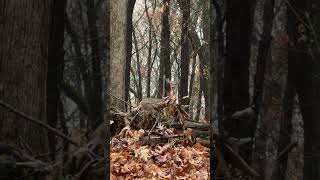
(118,98)
(40,123)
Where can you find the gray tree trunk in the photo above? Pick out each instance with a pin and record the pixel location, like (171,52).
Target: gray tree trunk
(118,51)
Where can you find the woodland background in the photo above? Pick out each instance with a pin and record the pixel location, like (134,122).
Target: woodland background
(249,68)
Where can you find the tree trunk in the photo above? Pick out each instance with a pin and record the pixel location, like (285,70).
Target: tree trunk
(236,74)
(191,82)
(215,50)
(80,98)
(165,51)
(149,59)
(185,53)
(216,66)
(23,67)
(118,51)
(273,108)
(315,78)
(56,65)
(107,86)
(139,81)
(130,9)
(96,99)
(263,54)
(301,81)
(203,53)
(199,103)
(206,54)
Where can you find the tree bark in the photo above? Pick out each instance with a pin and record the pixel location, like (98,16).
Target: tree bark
(56,66)
(118,51)
(130,9)
(23,67)
(165,51)
(263,54)
(206,54)
(203,54)
(139,81)
(150,61)
(301,82)
(216,66)
(185,53)
(273,109)
(236,72)
(191,82)
(216,51)
(107,86)
(96,100)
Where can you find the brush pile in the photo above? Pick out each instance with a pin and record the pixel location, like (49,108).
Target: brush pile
(147,149)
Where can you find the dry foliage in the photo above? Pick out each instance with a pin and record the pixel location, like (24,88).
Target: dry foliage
(164,154)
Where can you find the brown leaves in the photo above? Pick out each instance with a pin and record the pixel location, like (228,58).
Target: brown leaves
(131,160)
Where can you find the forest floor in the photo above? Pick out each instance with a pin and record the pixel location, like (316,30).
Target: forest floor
(152,150)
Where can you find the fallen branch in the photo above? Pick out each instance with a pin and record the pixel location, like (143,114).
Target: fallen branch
(189,124)
(158,140)
(201,133)
(40,123)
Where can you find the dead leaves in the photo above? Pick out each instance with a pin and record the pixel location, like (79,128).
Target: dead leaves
(158,152)
(131,160)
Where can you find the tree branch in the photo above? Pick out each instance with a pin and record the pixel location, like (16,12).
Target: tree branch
(40,123)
